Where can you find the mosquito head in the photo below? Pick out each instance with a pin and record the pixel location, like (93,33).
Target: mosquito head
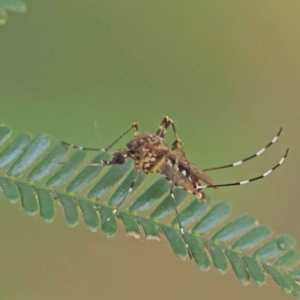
(119,157)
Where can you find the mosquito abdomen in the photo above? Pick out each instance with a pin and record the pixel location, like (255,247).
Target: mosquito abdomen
(180,179)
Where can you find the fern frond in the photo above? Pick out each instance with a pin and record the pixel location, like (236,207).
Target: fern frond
(30,174)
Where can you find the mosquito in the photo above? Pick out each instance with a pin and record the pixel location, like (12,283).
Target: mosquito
(151,154)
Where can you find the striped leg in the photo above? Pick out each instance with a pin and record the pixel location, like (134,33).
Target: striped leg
(249,180)
(138,171)
(163,127)
(119,158)
(115,211)
(179,223)
(128,192)
(133,126)
(177,144)
(248,158)
(165,124)
(102,163)
(174,203)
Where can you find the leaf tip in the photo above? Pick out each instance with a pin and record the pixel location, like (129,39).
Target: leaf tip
(152,237)
(134,234)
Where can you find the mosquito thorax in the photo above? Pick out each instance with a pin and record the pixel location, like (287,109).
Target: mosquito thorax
(147,151)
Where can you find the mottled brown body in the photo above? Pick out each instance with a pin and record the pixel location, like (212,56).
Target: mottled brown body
(147,151)
(151,154)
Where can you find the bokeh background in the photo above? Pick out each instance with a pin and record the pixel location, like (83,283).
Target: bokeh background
(227,72)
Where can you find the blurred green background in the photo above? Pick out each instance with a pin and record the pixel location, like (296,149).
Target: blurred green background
(227,72)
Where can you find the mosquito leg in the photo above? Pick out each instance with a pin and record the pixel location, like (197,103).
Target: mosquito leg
(138,170)
(163,127)
(119,158)
(80,147)
(175,207)
(249,180)
(179,223)
(248,158)
(128,192)
(102,163)
(165,124)
(133,126)
(125,196)
(177,144)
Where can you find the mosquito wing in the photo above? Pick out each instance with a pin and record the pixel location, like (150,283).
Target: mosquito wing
(191,169)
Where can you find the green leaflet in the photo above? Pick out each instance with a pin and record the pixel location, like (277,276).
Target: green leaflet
(295,274)
(150,230)
(274,247)
(109,222)
(122,189)
(166,206)
(255,270)
(218,256)
(3,15)
(9,189)
(34,150)
(46,202)
(238,266)
(14,149)
(90,216)
(86,175)
(175,241)
(130,224)
(66,170)
(215,216)
(234,229)
(29,201)
(36,163)
(288,260)
(252,238)
(70,209)
(279,278)
(114,174)
(198,252)
(11,5)
(48,163)
(4,134)
(152,194)
(191,213)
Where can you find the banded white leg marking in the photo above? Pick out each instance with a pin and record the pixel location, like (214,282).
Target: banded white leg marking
(179,223)
(115,211)
(81,148)
(248,158)
(249,180)
(244,182)
(237,163)
(267,173)
(134,126)
(101,163)
(260,151)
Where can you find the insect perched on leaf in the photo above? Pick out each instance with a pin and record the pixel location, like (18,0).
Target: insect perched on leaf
(150,154)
